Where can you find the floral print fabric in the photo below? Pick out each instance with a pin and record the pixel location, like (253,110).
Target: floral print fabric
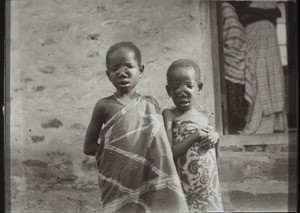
(198,172)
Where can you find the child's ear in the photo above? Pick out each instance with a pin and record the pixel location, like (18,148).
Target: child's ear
(200,86)
(168,90)
(142,69)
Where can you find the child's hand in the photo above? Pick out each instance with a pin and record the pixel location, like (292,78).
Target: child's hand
(211,139)
(201,133)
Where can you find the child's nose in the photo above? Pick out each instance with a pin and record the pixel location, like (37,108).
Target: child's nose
(123,71)
(182,90)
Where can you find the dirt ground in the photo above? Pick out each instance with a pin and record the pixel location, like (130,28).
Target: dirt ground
(58,199)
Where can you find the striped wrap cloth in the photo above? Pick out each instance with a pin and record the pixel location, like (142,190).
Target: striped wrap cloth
(136,167)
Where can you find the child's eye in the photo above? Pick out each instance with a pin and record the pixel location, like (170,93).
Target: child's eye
(130,66)
(113,68)
(190,86)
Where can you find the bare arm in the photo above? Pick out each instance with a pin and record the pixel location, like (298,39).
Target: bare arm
(91,146)
(212,140)
(179,148)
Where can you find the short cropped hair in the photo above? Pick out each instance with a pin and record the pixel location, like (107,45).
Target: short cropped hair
(185,63)
(128,45)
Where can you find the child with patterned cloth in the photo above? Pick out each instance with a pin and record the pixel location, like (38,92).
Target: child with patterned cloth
(135,166)
(192,139)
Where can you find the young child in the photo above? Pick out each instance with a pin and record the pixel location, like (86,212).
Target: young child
(192,139)
(134,157)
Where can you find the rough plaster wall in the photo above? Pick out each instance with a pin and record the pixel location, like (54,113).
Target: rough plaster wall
(57,64)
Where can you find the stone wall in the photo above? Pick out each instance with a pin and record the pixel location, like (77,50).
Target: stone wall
(259,177)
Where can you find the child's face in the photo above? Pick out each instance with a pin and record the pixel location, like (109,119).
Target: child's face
(124,70)
(183,87)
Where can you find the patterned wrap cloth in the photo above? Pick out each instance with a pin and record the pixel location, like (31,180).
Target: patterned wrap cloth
(198,171)
(135,162)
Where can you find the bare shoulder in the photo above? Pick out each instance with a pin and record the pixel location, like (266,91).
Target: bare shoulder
(168,114)
(105,101)
(102,105)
